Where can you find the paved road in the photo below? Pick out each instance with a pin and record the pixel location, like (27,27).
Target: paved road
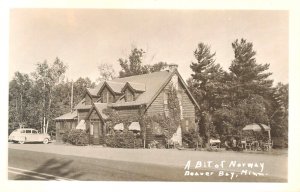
(30,165)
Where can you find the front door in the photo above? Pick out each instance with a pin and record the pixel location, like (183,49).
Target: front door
(97,132)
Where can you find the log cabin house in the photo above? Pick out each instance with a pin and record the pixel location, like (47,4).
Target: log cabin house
(126,96)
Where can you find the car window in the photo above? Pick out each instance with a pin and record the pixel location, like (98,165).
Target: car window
(28,131)
(22,131)
(34,132)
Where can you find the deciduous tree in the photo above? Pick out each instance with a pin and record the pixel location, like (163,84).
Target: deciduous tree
(46,77)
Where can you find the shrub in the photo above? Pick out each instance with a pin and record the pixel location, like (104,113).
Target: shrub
(76,137)
(126,139)
(138,143)
(191,138)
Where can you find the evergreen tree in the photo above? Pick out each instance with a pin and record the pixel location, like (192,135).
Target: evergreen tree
(278,113)
(206,85)
(248,89)
(248,77)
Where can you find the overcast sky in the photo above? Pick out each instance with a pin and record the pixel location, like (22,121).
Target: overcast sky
(85,38)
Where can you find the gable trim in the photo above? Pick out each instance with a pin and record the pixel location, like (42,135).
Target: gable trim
(166,83)
(160,90)
(90,112)
(128,86)
(108,87)
(188,91)
(87,92)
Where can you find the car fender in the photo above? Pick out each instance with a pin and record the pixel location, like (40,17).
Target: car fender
(19,138)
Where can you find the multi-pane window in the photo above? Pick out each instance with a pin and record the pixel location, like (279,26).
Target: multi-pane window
(107,97)
(187,124)
(110,98)
(180,105)
(166,108)
(104,97)
(128,95)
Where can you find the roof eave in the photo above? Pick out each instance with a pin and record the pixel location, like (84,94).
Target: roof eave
(187,89)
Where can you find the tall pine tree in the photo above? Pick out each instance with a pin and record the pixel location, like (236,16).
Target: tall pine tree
(206,85)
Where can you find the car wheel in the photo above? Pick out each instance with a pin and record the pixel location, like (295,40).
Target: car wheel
(15,141)
(21,142)
(46,141)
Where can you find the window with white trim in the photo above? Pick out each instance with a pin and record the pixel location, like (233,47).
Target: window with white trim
(128,95)
(187,124)
(180,104)
(166,108)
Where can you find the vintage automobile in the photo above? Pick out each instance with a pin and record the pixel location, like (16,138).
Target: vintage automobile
(28,135)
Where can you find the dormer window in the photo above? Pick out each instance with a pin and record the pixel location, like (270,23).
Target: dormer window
(128,95)
(132,91)
(106,96)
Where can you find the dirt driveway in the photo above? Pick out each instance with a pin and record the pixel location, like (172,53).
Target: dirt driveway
(272,164)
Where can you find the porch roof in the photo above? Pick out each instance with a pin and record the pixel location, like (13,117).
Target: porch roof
(82,105)
(67,116)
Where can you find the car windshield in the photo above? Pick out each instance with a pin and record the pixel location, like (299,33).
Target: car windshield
(34,132)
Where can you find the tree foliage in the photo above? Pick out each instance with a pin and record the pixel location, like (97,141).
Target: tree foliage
(106,72)
(279,111)
(19,98)
(243,95)
(206,84)
(228,100)
(44,94)
(134,64)
(46,78)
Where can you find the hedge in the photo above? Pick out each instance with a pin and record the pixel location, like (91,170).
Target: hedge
(76,137)
(126,139)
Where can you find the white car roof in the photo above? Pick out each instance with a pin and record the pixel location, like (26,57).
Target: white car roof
(27,129)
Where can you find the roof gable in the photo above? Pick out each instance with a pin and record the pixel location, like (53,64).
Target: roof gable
(99,107)
(82,105)
(136,87)
(149,85)
(175,72)
(152,82)
(188,91)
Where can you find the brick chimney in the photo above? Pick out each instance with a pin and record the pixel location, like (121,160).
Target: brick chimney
(173,67)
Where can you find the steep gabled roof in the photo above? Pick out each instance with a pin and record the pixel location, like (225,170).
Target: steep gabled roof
(116,86)
(152,81)
(164,84)
(187,89)
(94,91)
(138,87)
(149,84)
(82,105)
(68,116)
(99,107)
